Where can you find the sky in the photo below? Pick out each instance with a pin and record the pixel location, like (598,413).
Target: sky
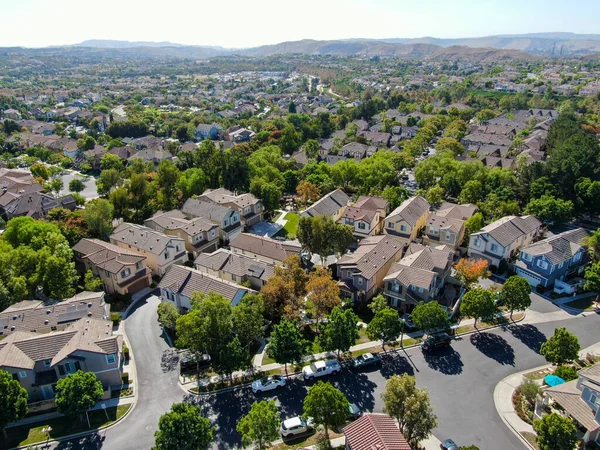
(249,23)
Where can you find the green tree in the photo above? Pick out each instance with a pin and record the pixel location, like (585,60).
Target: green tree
(377,304)
(448,144)
(473,225)
(555,432)
(311,147)
(286,345)
(39,170)
(410,406)
(563,347)
(107,181)
(592,277)
(168,315)
(270,194)
(166,183)
(326,405)
(386,326)
(260,427)
(192,182)
(87,142)
(91,282)
(110,161)
(435,195)
(340,333)
(56,185)
(550,209)
(479,305)
(183,428)
(13,400)
(430,316)
(248,319)
(77,393)
(76,185)
(395,195)
(231,357)
(323,236)
(516,294)
(98,215)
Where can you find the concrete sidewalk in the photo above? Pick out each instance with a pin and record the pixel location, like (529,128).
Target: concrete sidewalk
(504,391)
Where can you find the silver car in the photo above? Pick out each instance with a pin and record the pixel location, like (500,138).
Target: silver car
(268,384)
(295,426)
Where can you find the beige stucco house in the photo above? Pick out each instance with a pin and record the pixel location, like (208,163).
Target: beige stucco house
(405,222)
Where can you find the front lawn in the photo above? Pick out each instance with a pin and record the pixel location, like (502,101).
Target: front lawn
(62,426)
(290,229)
(582,303)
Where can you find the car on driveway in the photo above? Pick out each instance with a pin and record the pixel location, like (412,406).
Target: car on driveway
(296,426)
(448,444)
(441,340)
(268,383)
(321,369)
(354,412)
(365,360)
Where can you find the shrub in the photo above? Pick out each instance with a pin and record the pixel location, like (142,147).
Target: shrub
(502,267)
(493,268)
(115,317)
(125,378)
(567,373)
(126,352)
(530,390)
(540,289)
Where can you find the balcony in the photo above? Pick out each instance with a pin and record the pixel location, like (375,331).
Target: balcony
(139,274)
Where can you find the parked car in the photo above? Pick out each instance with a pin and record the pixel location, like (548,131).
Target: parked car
(321,369)
(268,383)
(437,341)
(192,363)
(407,319)
(355,412)
(295,426)
(448,444)
(365,360)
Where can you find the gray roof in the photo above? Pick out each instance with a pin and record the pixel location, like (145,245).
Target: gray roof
(143,238)
(427,258)
(559,248)
(510,228)
(224,196)
(175,220)
(107,256)
(328,205)
(371,255)
(194,207)
(265,246)
(235,264)
(185,281)
(410,211)
(454,211)
(569,397)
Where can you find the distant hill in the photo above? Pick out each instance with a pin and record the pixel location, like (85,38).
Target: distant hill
(109,43)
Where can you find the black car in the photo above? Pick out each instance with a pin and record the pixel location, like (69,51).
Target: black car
(192,363)
(354,412)
(365,360)
(438,341)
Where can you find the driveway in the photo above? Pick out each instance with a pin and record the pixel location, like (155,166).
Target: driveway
(89,192)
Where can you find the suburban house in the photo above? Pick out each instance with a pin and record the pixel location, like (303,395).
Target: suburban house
(30,202)
(161,251)
(375,432)
(250,208)
(199,234)
(578,399)
(264,248)
(225,217)
(207,131)
(234,267)
(122,271)
(550,261)
(500,240)
(153,155)
(361,273)
(180,282)
(332,204)
(418,276)
(365,216)
(447,224)
(39,360)
(241,135)
(406,220)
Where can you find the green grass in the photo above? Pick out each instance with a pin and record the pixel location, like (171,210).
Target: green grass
(291,227)
(531,438)
(582,303)
(62,426)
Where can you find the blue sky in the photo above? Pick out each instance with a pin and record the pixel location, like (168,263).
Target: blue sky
(247,23)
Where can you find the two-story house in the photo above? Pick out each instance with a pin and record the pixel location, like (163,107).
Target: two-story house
(375,432)
(503,238)
(332,205)
(418,276)
(181,282)
(250,208)
(207,131)
(161,251)
(226,218)
(577,399)
(549,261)
(200,234)
(406,220)
(447,224)
(235,267)
(264,248)
(122,271)
(365,216)
(361,273)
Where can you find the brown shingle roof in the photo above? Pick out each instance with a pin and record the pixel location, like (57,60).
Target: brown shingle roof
(235,264)
(569,397)
(411,210)
(371,255)
(264,246)
(510,228)
(143,238)
(375,432)
(107,256)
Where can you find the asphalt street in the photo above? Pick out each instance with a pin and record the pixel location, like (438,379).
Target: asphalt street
(461,381)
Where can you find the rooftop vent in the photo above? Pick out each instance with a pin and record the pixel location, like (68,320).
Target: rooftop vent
(46,322)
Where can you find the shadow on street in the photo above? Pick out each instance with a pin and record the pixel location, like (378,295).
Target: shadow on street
(495,347)
(396,364)
(444,360)
(529,335)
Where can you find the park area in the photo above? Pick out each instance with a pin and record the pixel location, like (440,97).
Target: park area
(290,228)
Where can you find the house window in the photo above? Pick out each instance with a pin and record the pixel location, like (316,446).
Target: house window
(107,273)
(177,248)
(47,362)
(403,228)
(359,281)
(433,230)
(70,367)
(542,264)
(166,255)
(448,236)
(125,273)
(212,233)
(494,247)
(190,239)
(139,265)
(413,287)
(111,359)
(226,222)
(577,257)
(362,225)
(247,210)
(233,277)
(477,242)
(391,225)
(525,256)
(22,374)
(421,290)
(235,219)
(560,266)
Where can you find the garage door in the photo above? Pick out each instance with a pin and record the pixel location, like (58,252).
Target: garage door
(138,285)
(534,281)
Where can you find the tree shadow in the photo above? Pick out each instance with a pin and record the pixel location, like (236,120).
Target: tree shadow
(495,347)
(394,363)
(529,335)
(358,388)
(444,360)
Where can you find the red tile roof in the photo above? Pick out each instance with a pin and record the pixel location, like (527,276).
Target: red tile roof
(375,432)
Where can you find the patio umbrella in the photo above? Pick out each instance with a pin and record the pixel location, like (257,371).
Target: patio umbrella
(553,380)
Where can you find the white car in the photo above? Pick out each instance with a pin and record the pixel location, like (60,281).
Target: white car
(295,426)
(321,368)
(268,383)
